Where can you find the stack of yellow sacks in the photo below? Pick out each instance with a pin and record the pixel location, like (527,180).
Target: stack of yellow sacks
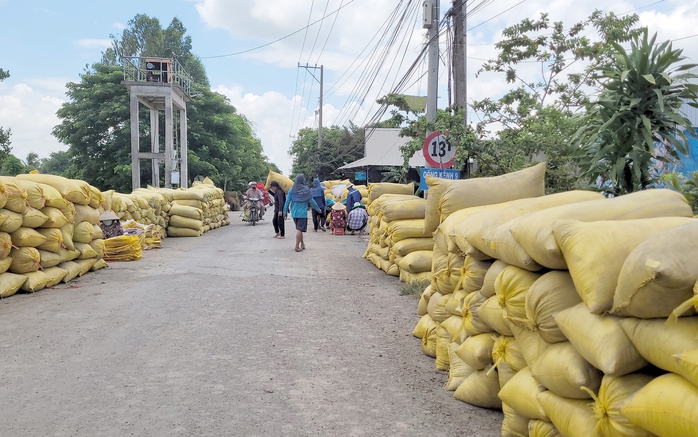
(145,206)
(572,306)
(38,222)
(197,210)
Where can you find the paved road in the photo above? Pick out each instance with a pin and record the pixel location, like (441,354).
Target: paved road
(228,334)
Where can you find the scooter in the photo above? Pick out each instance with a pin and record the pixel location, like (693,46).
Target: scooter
(251,214)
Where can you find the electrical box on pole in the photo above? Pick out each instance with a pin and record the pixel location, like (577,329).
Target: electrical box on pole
(428,7)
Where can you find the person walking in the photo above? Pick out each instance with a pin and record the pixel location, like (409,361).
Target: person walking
(279,202)
(298,200)
(319,197)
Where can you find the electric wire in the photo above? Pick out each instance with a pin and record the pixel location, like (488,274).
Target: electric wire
(319,29)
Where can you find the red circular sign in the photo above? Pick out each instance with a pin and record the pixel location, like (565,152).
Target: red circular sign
(438,152)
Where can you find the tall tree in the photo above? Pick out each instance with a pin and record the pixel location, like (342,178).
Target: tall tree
(643,91)
(4,133)
(339,146)
(12,166)
(57,163)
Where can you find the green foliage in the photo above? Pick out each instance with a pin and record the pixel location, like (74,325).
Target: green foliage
(688,186)
(340,145)
(4,133)
(95,122)
(57,163)
(640,105)
(12,166)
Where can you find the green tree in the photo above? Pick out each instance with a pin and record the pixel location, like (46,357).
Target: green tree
(57,163)
(33,162)
(340,145)
(688,186)
(4,133)
(643,92)
(12,166)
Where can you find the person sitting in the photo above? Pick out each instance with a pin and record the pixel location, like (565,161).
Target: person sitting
(110,225)
(353,196)
(358,218)
(338,217)
(254,193)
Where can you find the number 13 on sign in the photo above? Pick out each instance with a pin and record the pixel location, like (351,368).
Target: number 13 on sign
(438,152)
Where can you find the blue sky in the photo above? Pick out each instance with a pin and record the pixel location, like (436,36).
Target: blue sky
(47,43)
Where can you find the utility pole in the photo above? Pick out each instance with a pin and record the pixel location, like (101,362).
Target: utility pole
(431,21)
(460,63)
(321,67)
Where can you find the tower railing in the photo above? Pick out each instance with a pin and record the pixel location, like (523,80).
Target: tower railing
(156,70)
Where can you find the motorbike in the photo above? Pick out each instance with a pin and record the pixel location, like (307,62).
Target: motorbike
(251,213)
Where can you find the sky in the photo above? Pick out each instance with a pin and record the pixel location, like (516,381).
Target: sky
(45,44)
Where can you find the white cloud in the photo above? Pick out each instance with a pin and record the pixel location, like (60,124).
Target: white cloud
(94,43)
(31,115)
(119,26)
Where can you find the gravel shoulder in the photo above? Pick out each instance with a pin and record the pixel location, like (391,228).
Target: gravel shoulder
(231,333)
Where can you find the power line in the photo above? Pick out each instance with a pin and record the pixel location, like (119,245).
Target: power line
(685,37)
(318,30)
(295,92)
(642,7)
(492,18)
(329,33)
(283,37)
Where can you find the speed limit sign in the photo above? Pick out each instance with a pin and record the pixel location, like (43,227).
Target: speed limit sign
(438,151)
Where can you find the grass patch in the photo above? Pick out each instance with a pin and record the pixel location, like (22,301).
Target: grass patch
(414,288)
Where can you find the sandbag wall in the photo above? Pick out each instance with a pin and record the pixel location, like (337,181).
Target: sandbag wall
(560,314)
(49,231)
(196,210)
(145,206)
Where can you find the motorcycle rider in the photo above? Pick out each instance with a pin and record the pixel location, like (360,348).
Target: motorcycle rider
(254,193)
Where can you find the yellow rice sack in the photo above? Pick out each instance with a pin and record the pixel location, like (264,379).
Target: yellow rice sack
(97,232)
(186,211)
(550,294)
(98,246)
(73,190)
(35,281)
(376,190)
(174,231)
(521,394)
(429,341)
(659,274)
(49,259)
(185,222)
(529,182)
(409,245)
(67,230)
(35,193)
(410,278)
(5,244)
(432,216)
(667,406)
(572,417)
(595,253)
(54,240)
(82,232)
(26,237)
(480,388)
(416,262)
(436,307)
(9,221)
(16,195)
(458,370)
(540,428)
(687,361)
(404,209)
(534,232)
(442,342)
(453,305)
(506,350)
(531,343)
(72,269)
(3,195)
(425,324)
(601,340)
(614,393)
(54,275)
(100,264)
(85,213)
(474,272)
(488,281)
(564,372)
(10,283)
(660,341)
(424,301)
(5,264)
(85,264)
(86,251)
(513,425)
(52,197)
(96,198)
(472,323)
(493,315)
(403,229)
(454,326)
(476,351)
(33,218)
(511,288)
(504,374)
(56,218)
(284,182)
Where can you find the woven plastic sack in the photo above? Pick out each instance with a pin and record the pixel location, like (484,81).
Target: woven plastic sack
(33,218)
(174,231)
(99,247)
(97,232)
(284,182)
(100,264)
(67,230)
(86,251)
(474,272)
(393,270)
(410,278)
(504,374)
(453,305)
(506,350)
(613,394)
(68,213)
(660,341)
(601,340)
(54,275)
(476,351)
(186,211)
(85,264)
(480,388)
(550,294)
(472,323)
(511,288)
(493,315)
(595,253)
(667,406)
(488,281)
(572,417)
(26,237)
(10,283)
(513,425)
(378,189)
(458,370)
(416,262)
(85,213)
(56,218)
(35,281)
(96,198)
(436,188)
(49,259)
(69,255)
(659,274)
(454,326)
(75,191)
(424,301)
(185,222)
(5,264)
(54,240)
(564,372)
(534,232)
(425,324)
(83,232)
(429,341)
(35,193)
(9,221)
(3,195)
(403,229)
(404,209)
(409,245)
(436,307)
(72,269)
(531,343)
(5,244)
(521,394)
(442,341)
(16,195)
(540,428)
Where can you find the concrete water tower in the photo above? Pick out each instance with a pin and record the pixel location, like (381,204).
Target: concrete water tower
(160,84)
